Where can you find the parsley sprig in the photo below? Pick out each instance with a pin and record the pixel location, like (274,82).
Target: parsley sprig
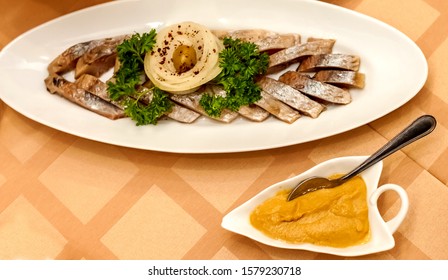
(241,63)
(127,79)
(144,114)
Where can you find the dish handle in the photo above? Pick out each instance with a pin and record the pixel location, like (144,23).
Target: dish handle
(396,221)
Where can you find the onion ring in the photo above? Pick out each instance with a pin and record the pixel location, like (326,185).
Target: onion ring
(159,66)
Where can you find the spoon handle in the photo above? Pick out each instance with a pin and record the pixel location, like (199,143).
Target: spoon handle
(422,126)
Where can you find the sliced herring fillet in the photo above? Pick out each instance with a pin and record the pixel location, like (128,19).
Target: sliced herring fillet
(296,52)
(95,86)
(57,84)
(182,114)
(277,108)
(251,112)
(341,78)
(292,97)
(67,60)
(264,39)
(99,59)
(177,113)
(317,89)
(330,60)
(191,101)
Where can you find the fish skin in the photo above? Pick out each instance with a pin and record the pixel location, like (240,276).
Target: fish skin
(341,77)
(178,113)
(330,60)
(277,108)
(99,59)
(294,53)
(250,112)
(97,87)
(253,113)
(182,114)
(316,89)
(292,97)
(57,84)
(67,60)
(265,40)
(191,101)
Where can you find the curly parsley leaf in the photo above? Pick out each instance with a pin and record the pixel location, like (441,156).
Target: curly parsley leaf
(213,105)
(137,46)
(144,114)
(241,63)
(127,79)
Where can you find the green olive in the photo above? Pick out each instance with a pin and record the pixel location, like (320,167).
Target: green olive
(184,58)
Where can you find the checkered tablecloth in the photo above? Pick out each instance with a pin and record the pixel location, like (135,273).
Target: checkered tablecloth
(65,197)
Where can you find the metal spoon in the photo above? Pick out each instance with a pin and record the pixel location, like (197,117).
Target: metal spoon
(421,127)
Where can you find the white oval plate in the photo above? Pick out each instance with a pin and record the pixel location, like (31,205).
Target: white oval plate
(381,239)
(395,71)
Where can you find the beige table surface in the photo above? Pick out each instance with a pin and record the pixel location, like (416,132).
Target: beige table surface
(64,197)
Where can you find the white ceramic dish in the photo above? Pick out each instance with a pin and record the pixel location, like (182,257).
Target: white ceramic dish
(395,71)
(381,232)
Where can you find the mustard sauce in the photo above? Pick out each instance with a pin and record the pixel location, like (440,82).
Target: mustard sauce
(336,217)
